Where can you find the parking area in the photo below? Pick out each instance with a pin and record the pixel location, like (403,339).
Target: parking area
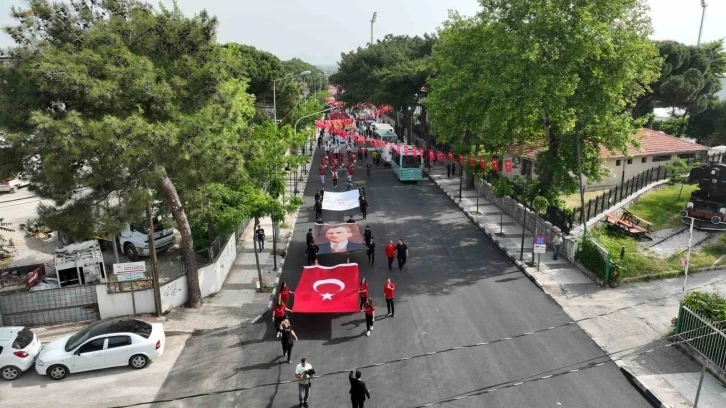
(100,388)
(21,208)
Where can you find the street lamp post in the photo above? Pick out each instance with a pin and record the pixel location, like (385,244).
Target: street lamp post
(373,20)
(703,14)
(274,91)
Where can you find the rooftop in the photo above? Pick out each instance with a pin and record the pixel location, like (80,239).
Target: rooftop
(652,142)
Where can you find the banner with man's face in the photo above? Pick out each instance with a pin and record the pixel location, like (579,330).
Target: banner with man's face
(338,238)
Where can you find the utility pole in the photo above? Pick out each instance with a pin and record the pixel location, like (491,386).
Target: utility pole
(373,20)
(582,186)
(154,263)
(700,29)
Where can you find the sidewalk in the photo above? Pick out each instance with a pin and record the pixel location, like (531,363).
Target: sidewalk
(668,374)
(238,301)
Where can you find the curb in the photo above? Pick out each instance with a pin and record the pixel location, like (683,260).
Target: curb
(634,379)
(492,235)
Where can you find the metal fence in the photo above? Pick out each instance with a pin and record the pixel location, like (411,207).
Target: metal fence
(52,306)
(620,192)
(705,338)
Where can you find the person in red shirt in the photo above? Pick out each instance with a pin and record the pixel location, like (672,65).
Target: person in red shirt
(363,292)
(360,153)
(285,292)
(370,311)
(390,253)
(321,170)
(350,173)
(389,292)
(279,313)
(365,153)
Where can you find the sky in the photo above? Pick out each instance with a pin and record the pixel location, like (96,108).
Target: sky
(317,31)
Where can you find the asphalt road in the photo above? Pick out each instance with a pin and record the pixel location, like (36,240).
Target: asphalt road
(457,289)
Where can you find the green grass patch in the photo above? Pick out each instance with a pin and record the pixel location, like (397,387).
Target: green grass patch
(635,262)
(661,207)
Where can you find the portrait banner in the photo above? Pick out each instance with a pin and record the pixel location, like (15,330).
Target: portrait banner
(338,238)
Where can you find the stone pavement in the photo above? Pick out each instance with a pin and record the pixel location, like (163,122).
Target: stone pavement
(667,375)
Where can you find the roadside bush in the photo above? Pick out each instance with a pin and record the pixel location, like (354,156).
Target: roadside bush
(589,254)
(710,306)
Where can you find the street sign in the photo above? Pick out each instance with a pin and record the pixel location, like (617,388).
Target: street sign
(129,271)
(540,244)
(683,261)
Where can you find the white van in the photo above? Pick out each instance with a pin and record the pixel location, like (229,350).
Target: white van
(133,239)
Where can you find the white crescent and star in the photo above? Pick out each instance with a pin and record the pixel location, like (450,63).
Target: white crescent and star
(328,296)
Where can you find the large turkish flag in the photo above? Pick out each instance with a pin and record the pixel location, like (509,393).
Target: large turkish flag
(325,289)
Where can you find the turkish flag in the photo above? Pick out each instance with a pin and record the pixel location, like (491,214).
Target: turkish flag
(324,289)
(441,156)
(451,157)
(483,163)
(495,164)
(431,155)
(461,160)
(472,161)
(507,165)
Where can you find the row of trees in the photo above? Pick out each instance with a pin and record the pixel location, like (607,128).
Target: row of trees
(116,104)
(541,76)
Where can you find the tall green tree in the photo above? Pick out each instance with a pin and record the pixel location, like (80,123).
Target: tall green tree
(112,99)
(689,79)
(392,71)
(709,126)
(528,72)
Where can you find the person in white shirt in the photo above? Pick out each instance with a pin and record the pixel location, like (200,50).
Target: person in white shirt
(303,384)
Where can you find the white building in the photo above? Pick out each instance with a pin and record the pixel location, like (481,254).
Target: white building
(656,148)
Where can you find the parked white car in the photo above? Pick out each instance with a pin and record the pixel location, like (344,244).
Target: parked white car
(18,349)
(103,345)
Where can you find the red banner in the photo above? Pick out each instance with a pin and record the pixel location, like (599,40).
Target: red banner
(495,164)
(507,165)
(483,163)
(324,289)
(472,161)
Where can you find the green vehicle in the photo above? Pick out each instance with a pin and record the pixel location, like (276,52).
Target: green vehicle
(405,166)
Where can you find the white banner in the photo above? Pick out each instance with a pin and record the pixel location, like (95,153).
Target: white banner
(340,201)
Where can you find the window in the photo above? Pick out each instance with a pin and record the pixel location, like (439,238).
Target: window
(91,346)
(118,341)
(661,158)
(644,160)
(687,156)
(526,167)
(25,337)
(617,162)
(630,161)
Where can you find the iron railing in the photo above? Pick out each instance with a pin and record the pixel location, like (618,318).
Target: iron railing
(708,339)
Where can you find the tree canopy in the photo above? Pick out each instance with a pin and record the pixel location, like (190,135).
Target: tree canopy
(690,76)
(527,73)
(110,101)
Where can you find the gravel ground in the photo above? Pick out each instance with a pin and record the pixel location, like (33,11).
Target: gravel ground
(676,243)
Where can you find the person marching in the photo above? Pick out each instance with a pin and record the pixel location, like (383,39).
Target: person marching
(311,252)
(363,293)
(448,170)
(350,220)
(374,154)
(350,173)
(370,311)
(389,292)
(335,178)
(318,209)
(360,153)
(363,203)
(321,171)
(288,339)
(390,252)
(371,251)
(367,234)
(279,313)
(365,153)
(401,253)
(317,195)
(349,186)
(358,390)
(303,372)
(369,166)
(285,292)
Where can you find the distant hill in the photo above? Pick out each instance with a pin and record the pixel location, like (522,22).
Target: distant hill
(328,68)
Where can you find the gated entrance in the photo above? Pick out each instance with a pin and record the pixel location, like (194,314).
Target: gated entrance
(52,306)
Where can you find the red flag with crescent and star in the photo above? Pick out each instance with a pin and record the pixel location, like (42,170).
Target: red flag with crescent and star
(495,164)
(327,289)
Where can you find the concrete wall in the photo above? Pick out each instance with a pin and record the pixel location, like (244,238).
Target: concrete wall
(212,277)
(174,293)
(119,304)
